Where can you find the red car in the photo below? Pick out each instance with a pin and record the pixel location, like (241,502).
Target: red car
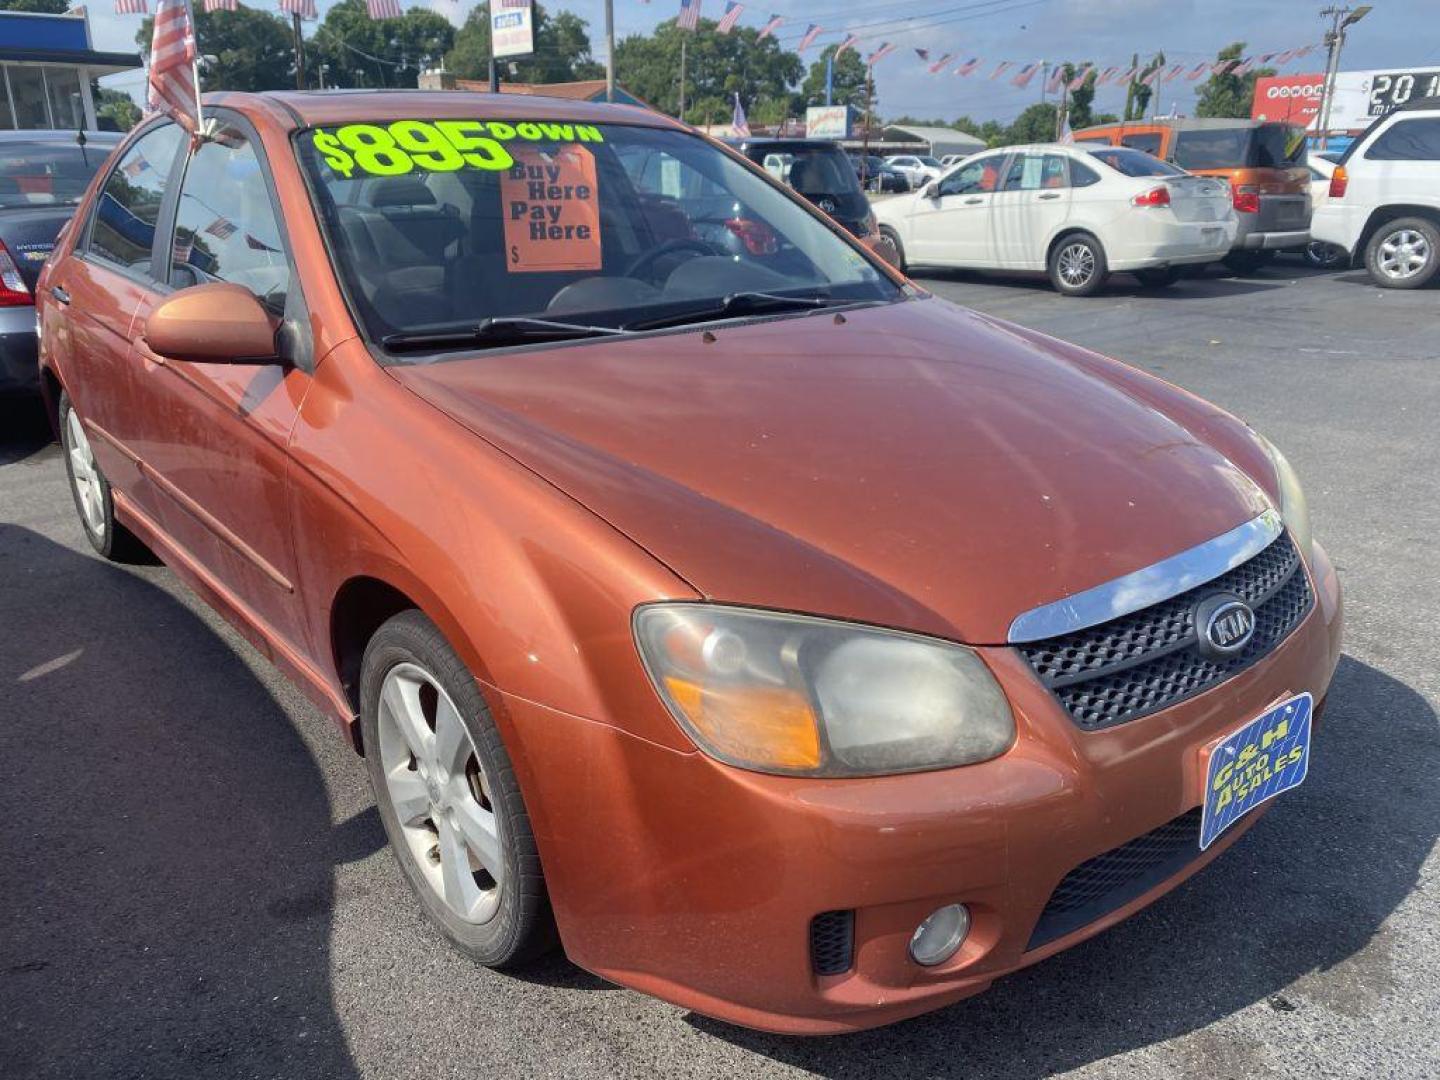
(785,642)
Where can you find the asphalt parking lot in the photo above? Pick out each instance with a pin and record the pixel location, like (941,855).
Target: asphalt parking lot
(195,882)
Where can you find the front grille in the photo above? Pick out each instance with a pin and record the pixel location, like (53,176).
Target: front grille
(832,942)
(1107,882)
(1149,660)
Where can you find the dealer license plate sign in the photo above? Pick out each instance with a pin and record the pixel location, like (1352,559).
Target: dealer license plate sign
(1268,755)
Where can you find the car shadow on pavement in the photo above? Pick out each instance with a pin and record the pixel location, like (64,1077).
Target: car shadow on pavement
(24,428)
(154,820)
(1203,287)
(1290,919)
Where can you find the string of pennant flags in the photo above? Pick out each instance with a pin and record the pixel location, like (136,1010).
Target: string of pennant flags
(1019,74)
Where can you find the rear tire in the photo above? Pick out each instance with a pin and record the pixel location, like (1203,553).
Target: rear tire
(448,797)
(91,492)
(1077,265)
(1161,278)
(1324,256)
(1404,253)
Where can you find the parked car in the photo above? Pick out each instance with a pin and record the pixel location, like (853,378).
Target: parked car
(42,176)
(781,639)
(1317,252)
(1384,204)
(876,176)
(1263,161)
(918,170)
(951,159)
(1077,213)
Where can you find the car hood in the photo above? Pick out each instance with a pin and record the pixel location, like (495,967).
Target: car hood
(913,465)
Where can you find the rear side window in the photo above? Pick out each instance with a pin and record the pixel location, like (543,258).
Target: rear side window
(1134,162)
(1081,175)
(129,204)
(1408,140)
(1149,141)
(226,228)
(1216,148)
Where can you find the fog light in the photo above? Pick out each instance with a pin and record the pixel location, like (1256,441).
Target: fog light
(936,939)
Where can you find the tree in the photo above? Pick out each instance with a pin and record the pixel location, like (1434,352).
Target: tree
(1035,124)
(360,51)
(1138,93)
(717,66)
(1228,95)
(562,49)
(1082,97)
(253,50)
(848,85)
(116,106)
(43,7)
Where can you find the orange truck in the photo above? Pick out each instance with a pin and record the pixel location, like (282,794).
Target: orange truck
(1263,161)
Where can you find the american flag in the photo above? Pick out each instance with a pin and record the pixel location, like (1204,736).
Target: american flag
(851,40)
(1000,69)
(1079,80)
(1024,75)
(689,17)
(939,65)
(1128,74)
(923,54)
(1281,59)
(730,18)
(1057,80)
(739,126)
(1198,70)
(1176,70)
(304,8)
(134,168)
(968,67)
(1244,66)
(812,31)
(254,243)
(130,7)
(382,9)
(1304,50)
(1151,77)
(222,228)
(172,65)
(1110,74)
(212,6)
(769,28)
(879,54)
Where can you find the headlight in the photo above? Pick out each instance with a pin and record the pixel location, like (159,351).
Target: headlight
(1293,507)
(806,696)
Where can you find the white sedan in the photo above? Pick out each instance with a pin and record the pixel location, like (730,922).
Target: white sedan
(917,168)
(1073,211)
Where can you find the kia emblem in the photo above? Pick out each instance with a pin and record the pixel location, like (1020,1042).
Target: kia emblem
(1224,625)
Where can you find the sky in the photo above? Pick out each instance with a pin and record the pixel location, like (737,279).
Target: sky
(1397,33)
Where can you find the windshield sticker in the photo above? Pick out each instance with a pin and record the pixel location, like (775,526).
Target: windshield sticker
(552,212)
(436,146)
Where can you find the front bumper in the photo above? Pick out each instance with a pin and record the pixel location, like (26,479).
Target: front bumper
(19,364)
(696,882)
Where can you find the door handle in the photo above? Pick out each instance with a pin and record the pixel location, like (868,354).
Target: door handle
(974,201)
(1049,195)
(60,295)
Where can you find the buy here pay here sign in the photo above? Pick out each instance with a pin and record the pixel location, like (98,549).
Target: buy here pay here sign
(552,210)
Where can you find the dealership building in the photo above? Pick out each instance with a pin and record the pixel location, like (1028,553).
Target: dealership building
(46,68)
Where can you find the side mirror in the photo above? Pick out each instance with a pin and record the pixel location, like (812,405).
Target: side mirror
(218,323)
(931,190)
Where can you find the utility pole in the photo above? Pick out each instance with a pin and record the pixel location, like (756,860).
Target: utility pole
(1063,109)
(299,52)
(609,50)
(1044,78)
(869,98)
(682,80)
(1341,20)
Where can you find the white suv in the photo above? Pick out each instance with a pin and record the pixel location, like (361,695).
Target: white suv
(1384,203)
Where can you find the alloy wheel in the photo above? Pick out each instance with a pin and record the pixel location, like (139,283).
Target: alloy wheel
(86,475)
(440,793)
(1403,254)
(1076,264)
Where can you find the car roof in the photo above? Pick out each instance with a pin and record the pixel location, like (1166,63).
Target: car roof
(306,108)
(62,135)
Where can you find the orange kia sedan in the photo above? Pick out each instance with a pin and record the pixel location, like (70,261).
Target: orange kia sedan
(776,638)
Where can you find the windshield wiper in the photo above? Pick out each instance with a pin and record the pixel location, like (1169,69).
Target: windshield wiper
(500,330)
(737,303)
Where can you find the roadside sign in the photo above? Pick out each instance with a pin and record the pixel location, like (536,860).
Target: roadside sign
(512,29)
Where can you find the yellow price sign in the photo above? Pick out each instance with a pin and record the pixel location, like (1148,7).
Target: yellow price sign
(403,146)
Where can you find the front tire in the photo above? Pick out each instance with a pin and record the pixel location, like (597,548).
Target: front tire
(894,238)
(1077,266)
(1404,253)
(91,491)
(448,797)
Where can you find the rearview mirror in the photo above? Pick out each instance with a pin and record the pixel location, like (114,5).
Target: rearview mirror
(216,323)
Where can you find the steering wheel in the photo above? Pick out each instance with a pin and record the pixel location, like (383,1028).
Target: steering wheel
(646,259)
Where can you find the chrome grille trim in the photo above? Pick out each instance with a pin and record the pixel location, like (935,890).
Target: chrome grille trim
(1151,585)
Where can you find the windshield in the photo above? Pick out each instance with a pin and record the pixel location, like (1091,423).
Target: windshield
(438,226)
(1266,146)
(1133,162)
(46,173)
